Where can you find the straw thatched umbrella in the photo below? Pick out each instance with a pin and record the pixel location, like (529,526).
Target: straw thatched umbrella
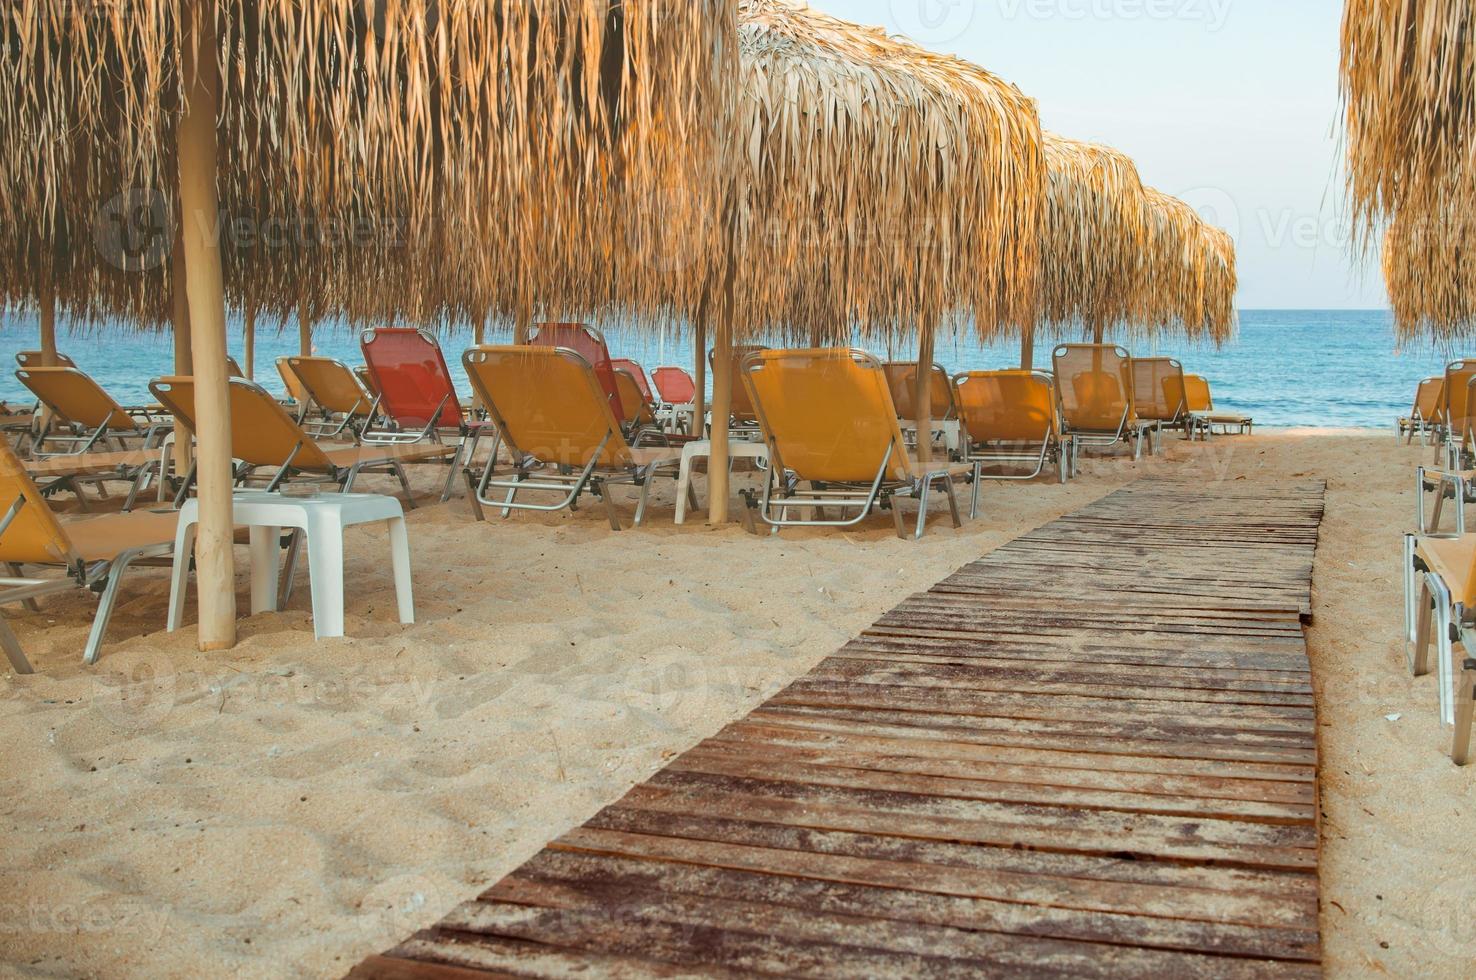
(1409,88)
(879,188)
(500,155)
(1409,91)
(1120,255)
(1096,235)
(1190,281)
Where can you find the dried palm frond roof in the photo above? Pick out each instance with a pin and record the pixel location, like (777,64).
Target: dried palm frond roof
(879,186)
(1409,92)
(498,153)
(1431,280)
(1096,234)
(1190,280)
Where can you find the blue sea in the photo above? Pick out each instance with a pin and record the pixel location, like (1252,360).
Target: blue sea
(1286,367)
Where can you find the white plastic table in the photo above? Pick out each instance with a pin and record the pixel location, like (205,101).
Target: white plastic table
(703,448)
(321,518)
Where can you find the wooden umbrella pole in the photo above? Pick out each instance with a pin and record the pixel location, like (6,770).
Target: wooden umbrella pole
(248,344)
(199,214)
(47,303)
(179,319)
(304,330)
(1027,349)
(722,410)
(699,378)
(923,395)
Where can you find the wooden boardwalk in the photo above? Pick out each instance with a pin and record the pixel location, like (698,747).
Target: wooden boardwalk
(1092,752)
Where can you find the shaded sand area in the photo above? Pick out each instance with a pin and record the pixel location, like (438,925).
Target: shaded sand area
(290,807)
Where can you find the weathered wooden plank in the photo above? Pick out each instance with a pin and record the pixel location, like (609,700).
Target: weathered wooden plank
(1090,753)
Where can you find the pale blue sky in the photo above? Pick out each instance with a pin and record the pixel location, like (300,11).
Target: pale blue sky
(1231,104)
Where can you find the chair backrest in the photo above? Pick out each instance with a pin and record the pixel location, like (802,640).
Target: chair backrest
(1197,394)
(589,344)
(902,377)
(233,367)
(31,534)
(674,385)
(410,375)
(743,408)
(1158,388)
(366,379)
(331,385)
(637,372)
(74,396)
(1095,386)
(548,403)
(1458,407)
(1007,406)
(33,358)
(827,414)
(1429,403)
(291,381)
(637,409)
(262,433)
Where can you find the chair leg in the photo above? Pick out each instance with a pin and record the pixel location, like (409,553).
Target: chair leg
(1419,653)
(289,572)
(105,605)
(922,510)
(405,485)
(952,495)
(610,512)
(455,465)
(13,651)
(1460,750)
(897,519)
(14,571)
(471,494)
(1439,506)
(974,495)
(640,515)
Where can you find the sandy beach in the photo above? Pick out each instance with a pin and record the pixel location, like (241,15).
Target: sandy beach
(289,807)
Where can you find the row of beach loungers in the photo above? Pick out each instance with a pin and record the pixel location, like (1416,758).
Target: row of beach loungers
(559,419)
(1440,568)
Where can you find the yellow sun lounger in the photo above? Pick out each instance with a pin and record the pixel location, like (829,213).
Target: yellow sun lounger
(902,379)
(744,418)
(557,423)
(1440,604)
(1159,394)
(1427,417)
(331,388)
(263,435)
(73,397)
(1094,382)
(1204,417)
(1010,418)
(1457,411)
(828,419)
(93,554)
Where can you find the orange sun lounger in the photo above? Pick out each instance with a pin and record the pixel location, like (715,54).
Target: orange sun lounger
(1010,418)
(93,554)
(1427,416)
(1094,382)
(264,436)
(558,422)
(828,419)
